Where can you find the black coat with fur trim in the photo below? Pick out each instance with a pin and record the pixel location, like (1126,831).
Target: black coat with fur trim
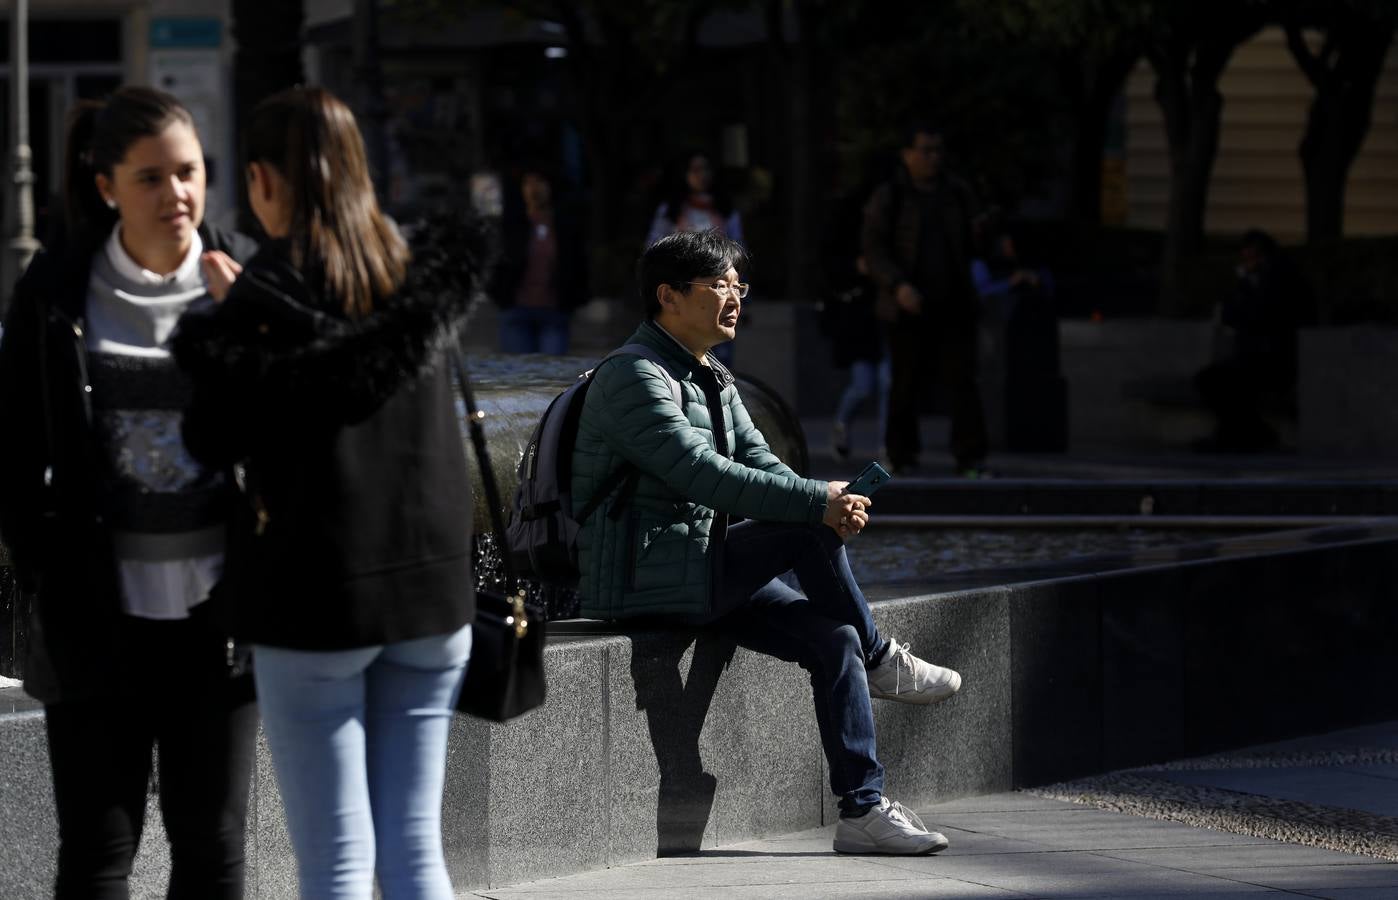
(354,523)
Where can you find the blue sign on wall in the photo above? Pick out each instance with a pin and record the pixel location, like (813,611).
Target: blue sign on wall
(185,33)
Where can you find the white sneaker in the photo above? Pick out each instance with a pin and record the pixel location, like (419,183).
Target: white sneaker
(907,679)
(889,828)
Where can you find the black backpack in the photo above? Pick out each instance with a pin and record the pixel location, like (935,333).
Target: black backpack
(543,532)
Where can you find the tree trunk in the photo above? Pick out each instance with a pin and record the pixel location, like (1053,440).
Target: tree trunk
(1187,73)
(1340,115)
(1094,90)
(1326,173)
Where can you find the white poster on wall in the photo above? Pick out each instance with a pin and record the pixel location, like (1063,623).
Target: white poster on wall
(185,60)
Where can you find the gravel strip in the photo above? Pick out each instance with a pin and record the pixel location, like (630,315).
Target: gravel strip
(1367,756)
(1138,792)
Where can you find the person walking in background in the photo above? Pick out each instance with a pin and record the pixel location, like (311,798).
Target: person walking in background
(541,277)
(917,243)
(696,203)
(321,379)
(847,318)
(1270,303)
(114,530)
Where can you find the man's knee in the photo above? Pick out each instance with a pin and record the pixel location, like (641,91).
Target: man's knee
(840,648)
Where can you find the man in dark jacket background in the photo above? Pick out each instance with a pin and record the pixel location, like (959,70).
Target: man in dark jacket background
(918,247)
(1271,302)
(714,521)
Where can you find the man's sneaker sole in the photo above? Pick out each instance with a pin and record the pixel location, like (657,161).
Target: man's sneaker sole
(921,698)
(868,848)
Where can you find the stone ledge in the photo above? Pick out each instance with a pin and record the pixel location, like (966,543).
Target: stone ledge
(661,741)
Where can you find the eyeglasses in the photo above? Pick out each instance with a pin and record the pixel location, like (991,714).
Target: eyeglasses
(723,289)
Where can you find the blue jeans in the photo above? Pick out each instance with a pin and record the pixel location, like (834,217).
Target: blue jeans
(359,743)
(866,379)
(532,329)
(828,632)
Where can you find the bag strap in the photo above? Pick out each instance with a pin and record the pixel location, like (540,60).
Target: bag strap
(645,352)
(626,475)
(492,489)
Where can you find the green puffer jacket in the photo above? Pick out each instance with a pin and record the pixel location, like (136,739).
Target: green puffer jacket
(660,553)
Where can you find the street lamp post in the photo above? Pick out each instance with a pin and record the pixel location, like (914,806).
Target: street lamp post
(21,245)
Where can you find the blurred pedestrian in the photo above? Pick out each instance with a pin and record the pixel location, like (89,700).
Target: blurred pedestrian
(847,318)
(917,244)
(114,530)
(541,277)
(1003,281)
(321,380)
(1270,302)
(697,202)
(1019,299)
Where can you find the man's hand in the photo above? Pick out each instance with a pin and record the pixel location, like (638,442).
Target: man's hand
(909,298)
(846,513)
(220,271)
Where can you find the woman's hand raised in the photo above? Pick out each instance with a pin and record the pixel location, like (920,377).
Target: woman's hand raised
(220,271)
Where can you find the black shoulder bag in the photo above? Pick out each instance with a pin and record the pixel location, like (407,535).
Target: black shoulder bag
(505,675)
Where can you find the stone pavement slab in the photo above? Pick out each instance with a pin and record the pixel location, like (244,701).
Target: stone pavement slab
(1002,845)
(1370,788)
(1318,878)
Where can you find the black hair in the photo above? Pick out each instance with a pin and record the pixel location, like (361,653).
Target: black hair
(99,135)
(920,126)
(686,256)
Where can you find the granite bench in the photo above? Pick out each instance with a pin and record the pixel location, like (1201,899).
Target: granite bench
(658,742)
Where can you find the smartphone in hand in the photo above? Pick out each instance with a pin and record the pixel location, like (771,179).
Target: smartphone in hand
(869,480)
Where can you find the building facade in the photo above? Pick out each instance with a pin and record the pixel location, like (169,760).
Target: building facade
(1257,177)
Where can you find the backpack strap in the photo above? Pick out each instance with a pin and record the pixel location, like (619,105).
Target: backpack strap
(645,352)
(626,475)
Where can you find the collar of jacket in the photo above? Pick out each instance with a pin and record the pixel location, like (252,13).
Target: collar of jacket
(77,254)
(681,361)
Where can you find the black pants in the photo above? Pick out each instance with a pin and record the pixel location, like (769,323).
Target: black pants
(927,351)
(178,697)
(1237,390)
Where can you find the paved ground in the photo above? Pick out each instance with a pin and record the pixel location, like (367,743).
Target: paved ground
(1337,787)
(1093,463)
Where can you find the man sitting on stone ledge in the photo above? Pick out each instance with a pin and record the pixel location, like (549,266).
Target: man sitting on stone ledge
(712,521)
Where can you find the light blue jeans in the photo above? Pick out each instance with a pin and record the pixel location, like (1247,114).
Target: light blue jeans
(359,742)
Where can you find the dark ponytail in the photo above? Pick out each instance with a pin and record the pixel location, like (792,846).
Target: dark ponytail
(99,136)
